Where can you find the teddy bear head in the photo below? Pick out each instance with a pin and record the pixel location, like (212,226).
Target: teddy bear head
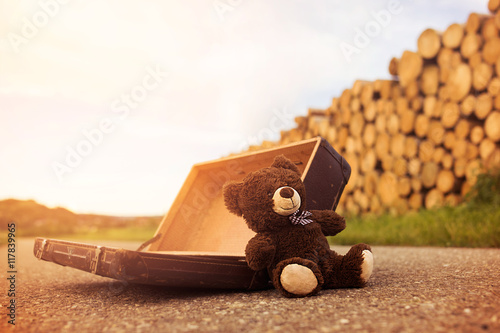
(267,197)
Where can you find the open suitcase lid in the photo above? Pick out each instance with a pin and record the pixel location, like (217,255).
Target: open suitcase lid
(199,243)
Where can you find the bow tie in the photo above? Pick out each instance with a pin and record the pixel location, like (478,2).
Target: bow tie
(300,217)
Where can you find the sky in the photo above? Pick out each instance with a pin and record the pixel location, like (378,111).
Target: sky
(106,105)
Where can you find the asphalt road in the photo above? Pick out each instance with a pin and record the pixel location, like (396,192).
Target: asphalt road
(411,290)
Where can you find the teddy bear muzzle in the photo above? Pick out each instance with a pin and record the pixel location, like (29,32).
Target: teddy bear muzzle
(286,200)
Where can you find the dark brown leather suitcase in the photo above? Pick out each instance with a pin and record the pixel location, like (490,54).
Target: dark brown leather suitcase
(199,243)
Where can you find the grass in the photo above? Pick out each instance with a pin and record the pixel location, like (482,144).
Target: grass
(475,223)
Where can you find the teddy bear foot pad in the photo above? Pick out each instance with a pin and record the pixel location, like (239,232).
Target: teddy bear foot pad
(298,280)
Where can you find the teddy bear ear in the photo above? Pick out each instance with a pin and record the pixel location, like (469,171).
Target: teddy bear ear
(231,192)
(281,161)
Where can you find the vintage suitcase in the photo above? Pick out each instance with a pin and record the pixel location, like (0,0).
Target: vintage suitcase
(199,243)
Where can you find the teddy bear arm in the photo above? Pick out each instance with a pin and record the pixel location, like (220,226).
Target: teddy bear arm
(331,222)
(259,252)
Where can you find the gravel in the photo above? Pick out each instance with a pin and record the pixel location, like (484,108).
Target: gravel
(411,290)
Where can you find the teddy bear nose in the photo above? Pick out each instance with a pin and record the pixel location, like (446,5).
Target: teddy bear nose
(286,192)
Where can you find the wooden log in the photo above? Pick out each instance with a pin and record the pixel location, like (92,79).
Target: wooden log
(425,151)
(434,198)
(452,200)
(475,60)
(493,5)
(494,86)
(459,82)
(466,187)
(400,167)
(370,112)
(489,29)
(368,161)
(387,163)
(345,100)
(371,185)
(382,145)
(369,135)
(445,181)
(409,67)
(381,123)
(459,148)
(430,171)
(481,76)
(484,104)
(472,151)
(497,20)
(355,105)
(411,147)
(407,121)
(388,191)
(350,145)
(331,136)
(486,148)
(429,105)
(356,125)
(414,166)
(462,128)
(491,50)
(476,134)
(429,81)
(436,132)
(421,125)
(397,142)
(375,205)
(393,66)
(342,135)
(357,87)
(392,124)
(416,184)
(492,126)
(439,152)
(472,170)
(493,162)
(447,161)
(367,94)
(459,167)
(362,200)
(404,187)
(449,140)
(453,35)
(428,44)
(496,102)
(353,161)
(402,105)
(471,44)
(468,105)
(450,115)
(474,22)
(415,201)
(412,90)
(417,103)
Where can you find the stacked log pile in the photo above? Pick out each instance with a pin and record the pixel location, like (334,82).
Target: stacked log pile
(420,139)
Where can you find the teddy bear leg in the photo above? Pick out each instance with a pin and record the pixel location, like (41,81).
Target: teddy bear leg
(351,270)
(297,277)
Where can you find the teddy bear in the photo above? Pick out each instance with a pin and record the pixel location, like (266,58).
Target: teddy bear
(290,241)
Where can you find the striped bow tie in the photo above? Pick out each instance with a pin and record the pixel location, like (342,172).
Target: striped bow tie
(300,217)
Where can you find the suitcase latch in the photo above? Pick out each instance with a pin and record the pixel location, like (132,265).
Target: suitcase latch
(39,253)
(95,260)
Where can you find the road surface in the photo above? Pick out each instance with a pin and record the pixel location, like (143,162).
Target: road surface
(411,290)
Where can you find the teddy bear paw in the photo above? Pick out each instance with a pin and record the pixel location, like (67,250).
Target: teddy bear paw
(298,280)
(367,265)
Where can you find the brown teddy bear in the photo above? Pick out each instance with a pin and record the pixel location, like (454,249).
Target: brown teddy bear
(290,241)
